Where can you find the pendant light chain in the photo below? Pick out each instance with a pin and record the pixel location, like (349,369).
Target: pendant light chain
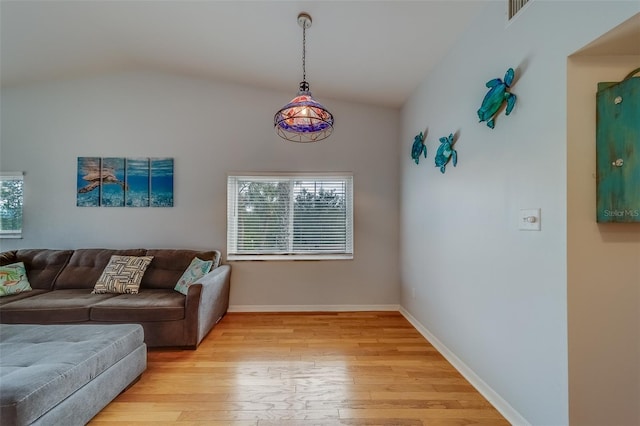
(304,52)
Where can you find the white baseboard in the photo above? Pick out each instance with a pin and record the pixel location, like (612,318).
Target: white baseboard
(312,308)
(512,416)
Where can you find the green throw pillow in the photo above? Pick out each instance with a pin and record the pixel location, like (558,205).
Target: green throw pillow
(196,270)
(13,279)
(123,274)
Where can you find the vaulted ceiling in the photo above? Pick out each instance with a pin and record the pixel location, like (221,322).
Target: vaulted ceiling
(375,52)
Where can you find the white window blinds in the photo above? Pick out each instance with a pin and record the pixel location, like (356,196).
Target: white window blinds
(290,217)
(515,6)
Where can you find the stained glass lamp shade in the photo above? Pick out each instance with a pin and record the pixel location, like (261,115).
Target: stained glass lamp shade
(303,119)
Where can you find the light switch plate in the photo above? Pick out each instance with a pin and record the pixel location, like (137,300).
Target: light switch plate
(529,220)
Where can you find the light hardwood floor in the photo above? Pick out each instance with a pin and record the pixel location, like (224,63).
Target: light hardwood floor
(357,368)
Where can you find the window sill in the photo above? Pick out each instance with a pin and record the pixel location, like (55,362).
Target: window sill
(10,236)
(261,257)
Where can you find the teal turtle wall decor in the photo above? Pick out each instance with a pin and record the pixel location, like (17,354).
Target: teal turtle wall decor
(497,95)
(418,148)
(446,153)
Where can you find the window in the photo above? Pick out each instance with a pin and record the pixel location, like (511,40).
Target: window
(11,205)
(290,217)
(515,6)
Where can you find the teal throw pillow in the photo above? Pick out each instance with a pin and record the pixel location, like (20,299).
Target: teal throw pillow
(196,270)
(13,279)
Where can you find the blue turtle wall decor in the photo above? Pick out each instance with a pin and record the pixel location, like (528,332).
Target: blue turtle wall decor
(418,148)
(497,95)
(446,153)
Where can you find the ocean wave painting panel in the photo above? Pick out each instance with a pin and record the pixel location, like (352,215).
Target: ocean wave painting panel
(161,182)
(137,181)
(88,182)
(113,182)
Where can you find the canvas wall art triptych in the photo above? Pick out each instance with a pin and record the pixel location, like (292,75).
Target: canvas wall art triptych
(124,182)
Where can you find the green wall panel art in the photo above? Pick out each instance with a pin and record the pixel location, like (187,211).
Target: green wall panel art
(618,150)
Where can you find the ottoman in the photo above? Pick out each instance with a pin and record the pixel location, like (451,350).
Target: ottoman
(65,374)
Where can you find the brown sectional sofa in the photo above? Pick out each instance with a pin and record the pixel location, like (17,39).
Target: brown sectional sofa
(62,282)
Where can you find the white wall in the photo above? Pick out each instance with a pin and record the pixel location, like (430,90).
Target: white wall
(209,129)
(494,296)
(603,268)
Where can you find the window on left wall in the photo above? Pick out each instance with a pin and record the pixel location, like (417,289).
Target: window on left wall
(11,198)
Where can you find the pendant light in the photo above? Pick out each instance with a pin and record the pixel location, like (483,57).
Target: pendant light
(303,119)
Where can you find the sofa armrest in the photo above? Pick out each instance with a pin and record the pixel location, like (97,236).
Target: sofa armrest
(207,302)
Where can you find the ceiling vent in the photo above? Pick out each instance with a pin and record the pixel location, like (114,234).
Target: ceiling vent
(515,6)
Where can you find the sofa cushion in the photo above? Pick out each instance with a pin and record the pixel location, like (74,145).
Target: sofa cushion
(169,265)
(86,266)
(19,296)
(196,270)
(122,274)
(147,306)
(43,265)
(13,279)
(44,365)
(60,306)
